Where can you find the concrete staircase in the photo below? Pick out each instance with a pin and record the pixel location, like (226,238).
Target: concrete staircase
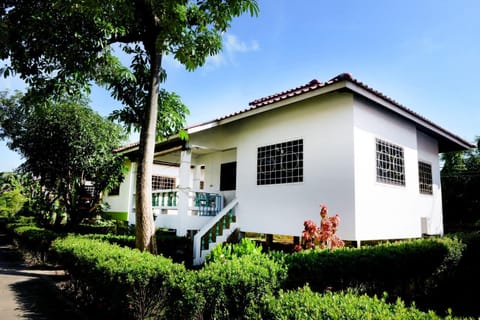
(215,232)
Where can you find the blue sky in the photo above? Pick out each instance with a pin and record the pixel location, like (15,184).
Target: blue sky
(422,53)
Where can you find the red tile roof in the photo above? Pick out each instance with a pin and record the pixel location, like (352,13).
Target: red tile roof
(128,146)
(316,85)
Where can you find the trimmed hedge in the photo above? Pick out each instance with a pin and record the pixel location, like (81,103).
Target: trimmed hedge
(178,248)
(121,240)
(131,283)
(34,241)
(304,304)
(405,269)
(240,282)
(459,290)
(116,215)
(231,287)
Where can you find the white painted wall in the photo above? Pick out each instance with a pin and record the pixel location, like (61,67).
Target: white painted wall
(121,202)
(327,132)
(384,211)
(338,133)
(429,207)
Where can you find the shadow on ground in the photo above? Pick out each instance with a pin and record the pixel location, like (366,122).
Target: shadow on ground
(32,291)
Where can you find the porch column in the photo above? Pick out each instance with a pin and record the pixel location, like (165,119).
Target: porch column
(197,173)
(184,188)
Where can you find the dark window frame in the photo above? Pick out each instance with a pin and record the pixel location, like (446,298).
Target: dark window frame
(390,163)
(163,182)
(425,178)
(280,163)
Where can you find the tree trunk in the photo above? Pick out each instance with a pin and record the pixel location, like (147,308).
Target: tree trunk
(145,226)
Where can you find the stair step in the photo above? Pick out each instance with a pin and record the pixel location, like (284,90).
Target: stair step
(219,240)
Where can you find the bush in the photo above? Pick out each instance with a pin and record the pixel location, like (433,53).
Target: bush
(304,304)
(34,241)
(458,288)
(229,251)
(11,202)
(406,269)
(232,287)
(168,244)
(121,240)
(128,283)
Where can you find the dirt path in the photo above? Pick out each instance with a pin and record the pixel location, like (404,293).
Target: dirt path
(29,292)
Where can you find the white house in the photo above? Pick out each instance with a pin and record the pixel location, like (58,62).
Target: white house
(267,168)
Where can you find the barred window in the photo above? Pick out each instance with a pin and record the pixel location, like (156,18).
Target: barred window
(425,177)
(162,183)
(280,163)
(390,163)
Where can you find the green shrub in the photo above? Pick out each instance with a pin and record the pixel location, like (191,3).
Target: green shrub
(121,240)
(133,284)
(304,304)
(457,288)
(230,250)
(116,215)
(11,202)
(405,269)
(34,241)
(231,287)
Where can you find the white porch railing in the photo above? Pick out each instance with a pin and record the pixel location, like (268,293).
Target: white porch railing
(214,232)
(200,203)
(170,212)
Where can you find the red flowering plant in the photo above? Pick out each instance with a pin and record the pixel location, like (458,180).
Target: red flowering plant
(310,234)
(325,234)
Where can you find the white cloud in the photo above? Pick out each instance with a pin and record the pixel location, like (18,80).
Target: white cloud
(232,46)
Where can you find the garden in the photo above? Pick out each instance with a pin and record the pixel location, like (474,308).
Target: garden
(431,278)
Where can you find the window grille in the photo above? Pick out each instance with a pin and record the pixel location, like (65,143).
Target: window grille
(280,163)
(390,163)
(162,183)
(425,177)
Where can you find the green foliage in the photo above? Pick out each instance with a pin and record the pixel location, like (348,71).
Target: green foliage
(34,241)
(121,240)
(228,251)
(170,119)
(116,215)
(129,281)
(11,202)
(34,130)
(62,47)
(247,285)
(303,304)
(232,287)
(13,192)
(460,181)
(459,284)
(406,269)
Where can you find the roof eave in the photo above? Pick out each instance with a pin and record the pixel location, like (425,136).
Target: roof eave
(447,140)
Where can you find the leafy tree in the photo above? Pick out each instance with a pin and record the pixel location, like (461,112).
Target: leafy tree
(65,144)
(460,177)
(11,197)
(62,45)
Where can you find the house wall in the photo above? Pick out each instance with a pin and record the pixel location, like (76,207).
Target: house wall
(430,206)
(325,125)
(385,211)
(121,203)
(124,201)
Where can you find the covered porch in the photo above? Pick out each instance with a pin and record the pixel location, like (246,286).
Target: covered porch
(193,192)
